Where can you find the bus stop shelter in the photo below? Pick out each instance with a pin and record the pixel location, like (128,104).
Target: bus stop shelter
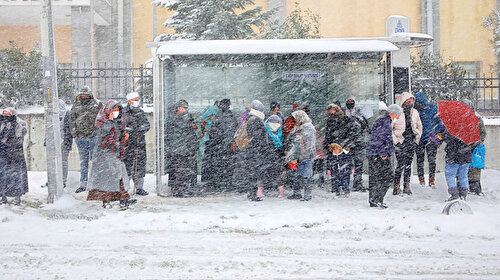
(316,71)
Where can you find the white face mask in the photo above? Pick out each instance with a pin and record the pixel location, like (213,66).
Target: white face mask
(135,104)
(274,126)
(115,114)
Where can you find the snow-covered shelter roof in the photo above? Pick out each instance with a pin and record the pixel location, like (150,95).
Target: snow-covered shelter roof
(278,46)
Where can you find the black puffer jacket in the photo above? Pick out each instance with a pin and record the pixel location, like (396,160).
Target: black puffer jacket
(344,131)
(457,152)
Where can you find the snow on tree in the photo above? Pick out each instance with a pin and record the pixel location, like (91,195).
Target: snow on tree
(299,24)
(212,19)
(21,78)
(492,22)
(439,79)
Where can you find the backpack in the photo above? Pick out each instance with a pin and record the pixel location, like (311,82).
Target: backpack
(242,141)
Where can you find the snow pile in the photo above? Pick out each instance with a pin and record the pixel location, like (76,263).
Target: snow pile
(225,236)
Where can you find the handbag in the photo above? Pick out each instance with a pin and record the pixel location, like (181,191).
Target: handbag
(478,157)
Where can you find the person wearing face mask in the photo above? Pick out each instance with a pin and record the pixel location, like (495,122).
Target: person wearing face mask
(378,151)
(406,134)
(360,128)
(108,180)
(82,126)
(135,152)
(13,171)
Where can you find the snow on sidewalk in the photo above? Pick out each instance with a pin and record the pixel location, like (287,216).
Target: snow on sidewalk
(225,236)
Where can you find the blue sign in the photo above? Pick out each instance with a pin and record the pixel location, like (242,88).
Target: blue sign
(294,76)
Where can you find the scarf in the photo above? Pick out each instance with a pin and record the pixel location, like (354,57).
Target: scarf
(277,138)
(113,140)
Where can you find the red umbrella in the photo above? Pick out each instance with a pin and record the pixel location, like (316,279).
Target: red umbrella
(460,120)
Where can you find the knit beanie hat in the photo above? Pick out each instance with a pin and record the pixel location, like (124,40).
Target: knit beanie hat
(395,109)
(257,105)
(274,119)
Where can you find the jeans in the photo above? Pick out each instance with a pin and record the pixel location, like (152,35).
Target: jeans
(452,170)
(431,149)
(85,149)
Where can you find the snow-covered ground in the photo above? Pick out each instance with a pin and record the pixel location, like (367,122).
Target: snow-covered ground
(225,236)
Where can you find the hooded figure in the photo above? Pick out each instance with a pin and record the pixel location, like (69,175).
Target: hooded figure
(135,152)
(431,125)
(217,170)
(13,171)
(108,180)
(340,134)
(406,134)
(301,153)
(82,126)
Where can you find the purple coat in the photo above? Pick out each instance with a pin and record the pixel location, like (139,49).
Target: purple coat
(380,143)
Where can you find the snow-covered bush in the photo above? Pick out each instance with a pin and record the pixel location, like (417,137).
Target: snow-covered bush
(21,78)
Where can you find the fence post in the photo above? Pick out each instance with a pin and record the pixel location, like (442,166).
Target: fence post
(141,93)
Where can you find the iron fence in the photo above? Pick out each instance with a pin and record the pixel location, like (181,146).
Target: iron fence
(112,81)
(483,90)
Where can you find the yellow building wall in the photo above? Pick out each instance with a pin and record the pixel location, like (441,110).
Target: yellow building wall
(142,26)
(29,37)
(358,18)
(462,36)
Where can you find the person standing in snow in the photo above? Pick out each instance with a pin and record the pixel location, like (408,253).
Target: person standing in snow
(108,180)
(301,153)
(357,152)
(181,145)
(474,174)
(275,154)
(13,170)
(339,136)
(82,125)
(431,124)
(406,133)
(457,160)
(205,123)
(275,109)
(251,140)
(379,150)
(290,121)
(135,152)
(218,160)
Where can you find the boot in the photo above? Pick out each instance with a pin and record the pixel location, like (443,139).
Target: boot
(17,201)
(462,193)
(432,184)
(4,200)
(141,192)
(453,194)
(407,190)
(396,190)
(125,203)
(422,181)
(260,192)
(107,205)
(281,191)
(81,189)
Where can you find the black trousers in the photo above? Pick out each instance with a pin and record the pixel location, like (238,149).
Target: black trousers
(181,172)
(358,158)
(380,172)
(431,149)
(404,156)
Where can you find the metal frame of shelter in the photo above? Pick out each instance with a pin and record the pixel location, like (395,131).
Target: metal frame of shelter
(164,52)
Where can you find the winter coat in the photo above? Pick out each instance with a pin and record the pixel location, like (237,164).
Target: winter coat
(399,125)
(135,152)
(180,136)
(431,123)
(83,116)
(107,159)
(457,151)
(67,143)
(345,131)
(380,143)
(255,153)
(218,153)
(302,139)
(13,171)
